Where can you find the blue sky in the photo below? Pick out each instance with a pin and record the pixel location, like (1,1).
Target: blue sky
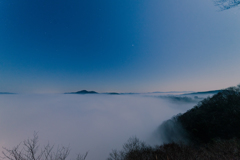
(122,45)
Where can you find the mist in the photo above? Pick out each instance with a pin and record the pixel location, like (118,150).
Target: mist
(86,123)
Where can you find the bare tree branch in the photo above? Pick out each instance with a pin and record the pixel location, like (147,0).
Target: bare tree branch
(82,157)
(30,151)
(226,4)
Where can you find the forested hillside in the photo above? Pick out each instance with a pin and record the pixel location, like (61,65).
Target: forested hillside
(210,130)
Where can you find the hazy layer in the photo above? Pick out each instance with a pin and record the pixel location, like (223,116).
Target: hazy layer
(94,123)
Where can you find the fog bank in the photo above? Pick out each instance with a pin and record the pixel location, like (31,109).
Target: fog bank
(94,123)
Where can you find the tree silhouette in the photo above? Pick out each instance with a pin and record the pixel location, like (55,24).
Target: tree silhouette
(226,4)
(29,150)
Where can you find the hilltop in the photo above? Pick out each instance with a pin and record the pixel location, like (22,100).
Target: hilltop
(82,92)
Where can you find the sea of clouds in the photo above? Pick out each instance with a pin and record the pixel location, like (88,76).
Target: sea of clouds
(95,123)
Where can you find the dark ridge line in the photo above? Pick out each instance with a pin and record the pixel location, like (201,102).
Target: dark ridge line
(6,93)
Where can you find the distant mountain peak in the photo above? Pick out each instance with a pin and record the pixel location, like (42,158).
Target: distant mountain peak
(83,92)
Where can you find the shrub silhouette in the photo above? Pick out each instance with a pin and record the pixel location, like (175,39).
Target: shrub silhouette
(219,150)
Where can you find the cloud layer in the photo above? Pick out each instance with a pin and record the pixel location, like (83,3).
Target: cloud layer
(94,123)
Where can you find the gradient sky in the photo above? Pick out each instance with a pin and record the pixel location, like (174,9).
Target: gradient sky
(117,45)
